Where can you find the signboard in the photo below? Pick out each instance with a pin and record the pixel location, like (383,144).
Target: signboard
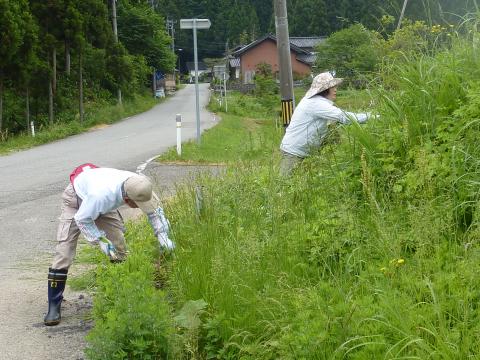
(159,75)
(199,23)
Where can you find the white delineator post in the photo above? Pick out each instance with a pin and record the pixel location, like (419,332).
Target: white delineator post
(32,126)
(179,134)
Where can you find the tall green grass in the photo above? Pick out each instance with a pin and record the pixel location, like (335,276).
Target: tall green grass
(369,251)
(308,270)
(366,252)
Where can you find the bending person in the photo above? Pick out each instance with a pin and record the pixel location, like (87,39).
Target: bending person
(90,206)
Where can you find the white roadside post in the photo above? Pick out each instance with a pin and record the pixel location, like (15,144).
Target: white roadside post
(225,89)
(32,126)
(179,134)
(196,24)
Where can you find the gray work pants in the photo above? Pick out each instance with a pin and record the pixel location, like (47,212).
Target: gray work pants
(68,232)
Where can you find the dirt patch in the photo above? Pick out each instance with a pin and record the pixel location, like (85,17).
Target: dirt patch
(98,127)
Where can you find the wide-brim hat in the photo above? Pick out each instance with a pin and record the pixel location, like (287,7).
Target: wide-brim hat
(139,189)
(322,82)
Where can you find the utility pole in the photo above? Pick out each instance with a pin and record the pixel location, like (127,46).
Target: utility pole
(284,61)
(227,56)
(401,14)
(115,33)
(171,31)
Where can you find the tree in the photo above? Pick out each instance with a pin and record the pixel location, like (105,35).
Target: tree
(15,24)
(120,68)
(243,19)
(28,61)
(141,31)
(350,52)
(89,27)
(305,20)
(49,17)
(433,11)
(72,29)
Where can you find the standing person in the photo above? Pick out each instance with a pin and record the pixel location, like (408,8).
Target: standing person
(89,206)
(309,125)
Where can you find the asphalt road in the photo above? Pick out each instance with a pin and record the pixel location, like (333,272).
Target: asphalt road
(31,180)
(31,183)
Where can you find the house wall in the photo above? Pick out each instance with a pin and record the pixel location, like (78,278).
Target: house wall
(191,78)
(266,52)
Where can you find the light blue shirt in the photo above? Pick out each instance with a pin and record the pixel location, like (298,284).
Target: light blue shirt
(309,124)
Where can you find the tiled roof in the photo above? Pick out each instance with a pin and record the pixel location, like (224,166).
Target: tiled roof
(293,47)
(309,59)
(307,42)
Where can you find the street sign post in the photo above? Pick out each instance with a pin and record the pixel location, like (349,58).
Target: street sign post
(195,24)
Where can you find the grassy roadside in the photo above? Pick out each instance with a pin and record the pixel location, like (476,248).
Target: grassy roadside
(95,114)
(368,251)
(247,139)
(249,131)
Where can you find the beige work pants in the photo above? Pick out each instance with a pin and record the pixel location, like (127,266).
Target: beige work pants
(68,232)
(288,163)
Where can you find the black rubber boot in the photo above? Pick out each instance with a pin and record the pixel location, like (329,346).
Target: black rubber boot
(56,284)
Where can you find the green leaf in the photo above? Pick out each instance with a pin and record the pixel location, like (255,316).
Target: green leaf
(189,316)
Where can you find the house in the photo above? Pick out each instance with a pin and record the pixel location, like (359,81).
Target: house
(309,44)
(202,69)
(220,72)
(244,61)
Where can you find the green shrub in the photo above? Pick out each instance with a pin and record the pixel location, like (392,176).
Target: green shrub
(350,52)
(132,317)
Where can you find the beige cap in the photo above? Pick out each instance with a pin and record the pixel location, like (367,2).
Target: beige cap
(322,82)
(139,189)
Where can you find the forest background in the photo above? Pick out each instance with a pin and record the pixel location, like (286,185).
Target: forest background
(60,60)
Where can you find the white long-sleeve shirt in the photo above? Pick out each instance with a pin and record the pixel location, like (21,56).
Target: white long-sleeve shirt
(100,190)
(309,124)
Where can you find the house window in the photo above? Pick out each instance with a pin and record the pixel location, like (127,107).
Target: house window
(249,76)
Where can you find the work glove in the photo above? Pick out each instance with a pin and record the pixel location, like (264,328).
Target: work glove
(163,219)
(165,242)
(108,248)
(161,227)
